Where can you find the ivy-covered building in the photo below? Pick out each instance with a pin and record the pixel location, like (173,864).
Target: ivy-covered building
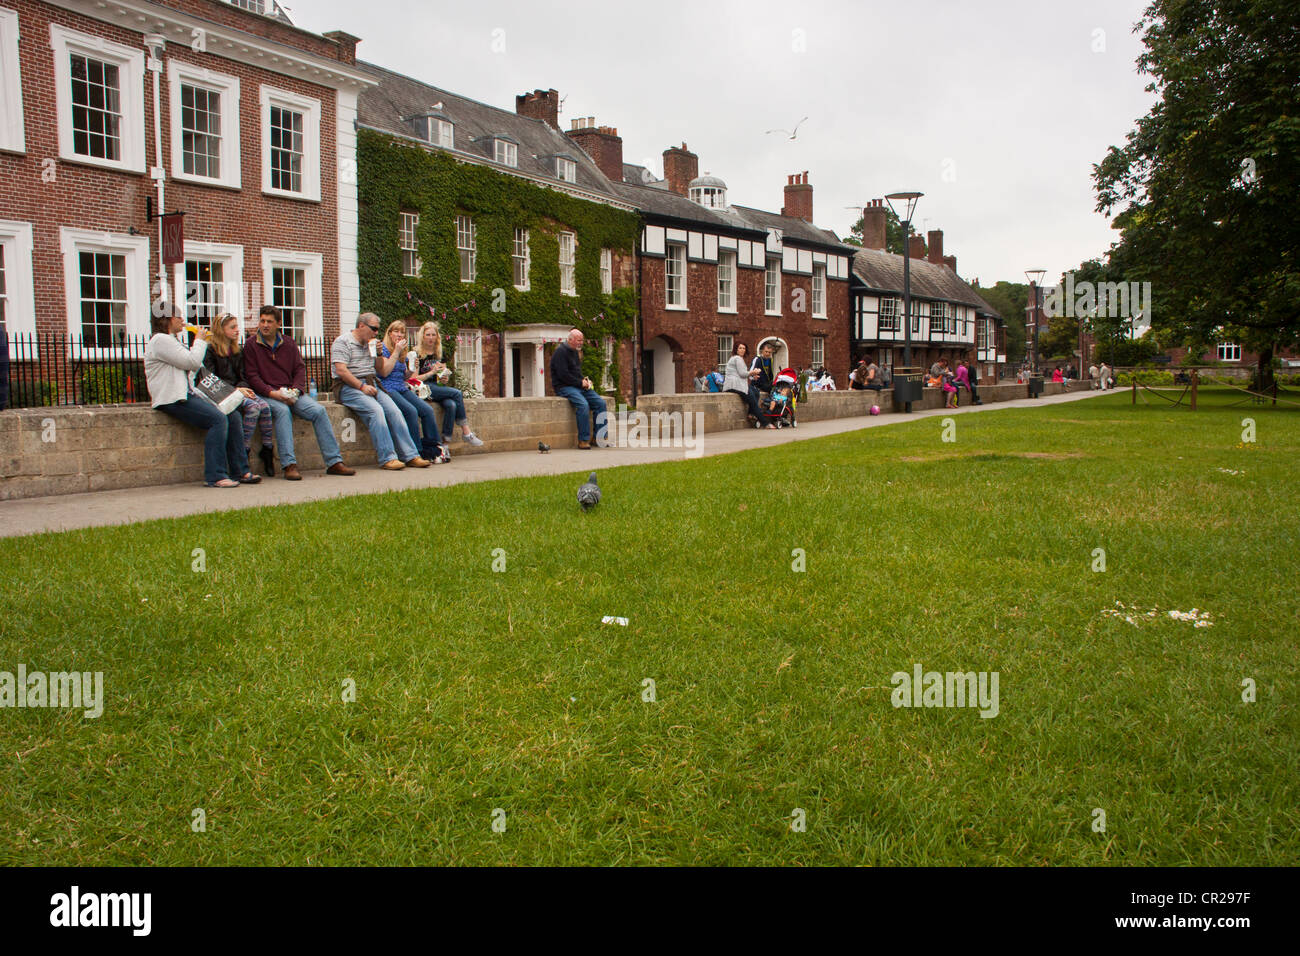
(497,226)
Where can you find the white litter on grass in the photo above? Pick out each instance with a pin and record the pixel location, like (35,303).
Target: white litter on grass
(621,621)
(1134,614)
(1230,471)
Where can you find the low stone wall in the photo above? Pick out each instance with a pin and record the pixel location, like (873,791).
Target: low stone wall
(724,411)
(58,451)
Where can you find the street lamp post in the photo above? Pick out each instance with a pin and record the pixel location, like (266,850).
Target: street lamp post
(908,201)
(1035,277)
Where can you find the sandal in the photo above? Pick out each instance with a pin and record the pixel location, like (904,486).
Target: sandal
(224,483)
(250,479)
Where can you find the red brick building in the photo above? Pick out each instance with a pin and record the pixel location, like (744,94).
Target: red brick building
(713,274)
(232,115)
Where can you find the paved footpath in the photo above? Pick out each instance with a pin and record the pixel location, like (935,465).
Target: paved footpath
(128,505)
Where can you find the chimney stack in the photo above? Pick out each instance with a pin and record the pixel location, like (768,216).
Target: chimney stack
(347,45)
(874,218)
(540,104)
(602,144)
(680,167)
(798,197)
(915,247)
(951,263)
(934,241)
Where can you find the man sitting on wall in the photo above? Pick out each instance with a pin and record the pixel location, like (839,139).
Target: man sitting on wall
(569,382)
(353,367)
(275,370)
(763,365)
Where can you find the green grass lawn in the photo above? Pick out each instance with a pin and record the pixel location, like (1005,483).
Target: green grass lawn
(478,690)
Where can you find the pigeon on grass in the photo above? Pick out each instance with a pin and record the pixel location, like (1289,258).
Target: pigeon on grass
(589,493)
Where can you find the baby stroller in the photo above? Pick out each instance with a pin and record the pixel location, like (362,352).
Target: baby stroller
(779,407)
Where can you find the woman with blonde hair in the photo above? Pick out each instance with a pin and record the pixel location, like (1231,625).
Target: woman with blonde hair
(392,379)
(425,363)
(225,359)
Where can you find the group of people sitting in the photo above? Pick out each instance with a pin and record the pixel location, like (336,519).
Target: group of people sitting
(770,394)
(392,389)
(952,381)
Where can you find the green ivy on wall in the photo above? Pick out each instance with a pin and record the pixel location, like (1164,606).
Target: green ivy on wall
(396,177)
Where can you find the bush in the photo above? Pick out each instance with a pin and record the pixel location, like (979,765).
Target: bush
(28,394)
(109,384)
(1145,377)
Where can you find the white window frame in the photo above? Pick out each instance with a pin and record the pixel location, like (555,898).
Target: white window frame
(726,345)
(130,64)
(675,253)
(467,241)
(817,351)
(408,230)
(231,258)
(12,135)
(178,73)
(889,319)
(1228,352)
(311,110)
(505,152)
(819,292)
(606,381)
(566,170)
(20,290)
(606,271)
(72,243)
(313,263)
(727,281)
(772,292)
(445,135)
(473,340)
(524,258)
(568,269)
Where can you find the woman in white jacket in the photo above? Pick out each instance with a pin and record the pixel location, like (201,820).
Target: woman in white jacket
(737,379)
(168,369)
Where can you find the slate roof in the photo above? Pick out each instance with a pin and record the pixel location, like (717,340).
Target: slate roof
(883,271)
(396,99)
(654,200)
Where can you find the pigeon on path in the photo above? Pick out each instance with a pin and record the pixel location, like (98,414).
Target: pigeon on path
(589,493)
(543,447)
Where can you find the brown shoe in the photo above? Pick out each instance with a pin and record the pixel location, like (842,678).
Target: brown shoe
(338,468)
(584,444)
(291,473)
(418,462)
(393,465)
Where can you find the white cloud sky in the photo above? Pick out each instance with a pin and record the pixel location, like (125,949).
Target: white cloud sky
(995,110)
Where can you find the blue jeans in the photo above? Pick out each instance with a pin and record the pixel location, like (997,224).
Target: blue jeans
(585,402)
(384,421)
(309,409)
(452,401)
(224,455)
(418,412)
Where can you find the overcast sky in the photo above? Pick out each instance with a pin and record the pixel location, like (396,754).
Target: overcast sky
(995,110)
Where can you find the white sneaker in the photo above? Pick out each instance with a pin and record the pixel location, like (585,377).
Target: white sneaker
(473,440)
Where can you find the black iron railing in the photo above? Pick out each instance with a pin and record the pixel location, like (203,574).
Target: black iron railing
(47,369)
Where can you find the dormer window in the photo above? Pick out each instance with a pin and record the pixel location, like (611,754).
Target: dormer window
(436,129)
(505,152)
(566,170)
(709,192)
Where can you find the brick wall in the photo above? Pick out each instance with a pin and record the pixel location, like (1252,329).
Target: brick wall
(695,332)
(88,197)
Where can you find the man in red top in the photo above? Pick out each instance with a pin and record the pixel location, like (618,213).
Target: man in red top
(275,370)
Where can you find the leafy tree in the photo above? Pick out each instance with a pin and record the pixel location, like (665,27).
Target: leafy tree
(893,233)
(1206,183)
